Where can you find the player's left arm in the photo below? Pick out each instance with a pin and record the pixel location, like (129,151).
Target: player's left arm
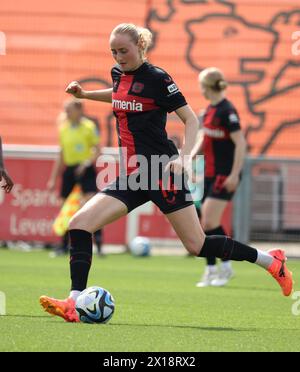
(232,181)
(3,173)
(169,98)
(189,118)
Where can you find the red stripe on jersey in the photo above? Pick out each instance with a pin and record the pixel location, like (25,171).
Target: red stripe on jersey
(126,137)
(208,150)
(126,140)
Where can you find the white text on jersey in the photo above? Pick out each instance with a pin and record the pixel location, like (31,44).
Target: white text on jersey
(216,133)
(127,105)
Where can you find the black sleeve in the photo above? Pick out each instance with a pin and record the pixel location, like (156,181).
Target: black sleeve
(167,94)
(115,75)
(230,119)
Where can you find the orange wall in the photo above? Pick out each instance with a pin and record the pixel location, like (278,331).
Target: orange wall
(49,44)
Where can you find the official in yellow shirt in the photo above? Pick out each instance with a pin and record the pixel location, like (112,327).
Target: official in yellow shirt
(78,141)
(79,149)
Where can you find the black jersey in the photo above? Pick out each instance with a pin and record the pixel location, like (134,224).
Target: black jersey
(218,148)
(141,100)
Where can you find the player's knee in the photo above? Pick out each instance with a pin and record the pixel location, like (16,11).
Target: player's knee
(77,222)
(193,246)
(208,224)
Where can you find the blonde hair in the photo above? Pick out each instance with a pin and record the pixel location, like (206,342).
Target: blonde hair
(213,78)
(139,35)
(73,103)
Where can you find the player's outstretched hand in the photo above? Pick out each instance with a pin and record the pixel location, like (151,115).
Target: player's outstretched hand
(8,185)
(75,89)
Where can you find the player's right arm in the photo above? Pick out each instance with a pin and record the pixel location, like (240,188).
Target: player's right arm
(103,95)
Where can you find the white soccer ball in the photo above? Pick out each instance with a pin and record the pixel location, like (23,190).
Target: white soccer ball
(140,246)
(95,305)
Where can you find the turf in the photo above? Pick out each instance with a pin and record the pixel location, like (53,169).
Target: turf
(158,307)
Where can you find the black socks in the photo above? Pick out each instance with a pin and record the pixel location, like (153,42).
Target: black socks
(226,248)
(65,243)
(211,260)
(98,240)
(81,251)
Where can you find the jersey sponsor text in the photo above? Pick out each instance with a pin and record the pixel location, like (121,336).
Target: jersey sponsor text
(127,105)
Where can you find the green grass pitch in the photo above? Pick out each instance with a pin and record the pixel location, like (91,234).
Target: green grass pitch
(158,307)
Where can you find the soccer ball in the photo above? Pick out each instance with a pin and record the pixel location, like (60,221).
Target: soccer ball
(95,305)
(140,246)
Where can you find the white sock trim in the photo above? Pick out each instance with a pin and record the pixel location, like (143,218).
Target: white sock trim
(212,268)
(74,295)
(264,259)
(226,265)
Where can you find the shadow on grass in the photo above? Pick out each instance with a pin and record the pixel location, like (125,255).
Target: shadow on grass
(176,326)
(200,328)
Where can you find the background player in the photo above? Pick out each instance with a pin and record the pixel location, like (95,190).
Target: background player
(141,96)
(224,148)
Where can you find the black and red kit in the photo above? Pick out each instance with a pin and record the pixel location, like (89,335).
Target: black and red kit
(141,100)
(218,122)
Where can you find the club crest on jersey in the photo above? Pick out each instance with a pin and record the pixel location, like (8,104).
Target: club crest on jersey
(137,87)
(118,104)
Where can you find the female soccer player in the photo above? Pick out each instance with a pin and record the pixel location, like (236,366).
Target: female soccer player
(141,96)
(223,146)
(8,183)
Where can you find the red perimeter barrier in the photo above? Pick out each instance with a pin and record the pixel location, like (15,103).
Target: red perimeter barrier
(27,213)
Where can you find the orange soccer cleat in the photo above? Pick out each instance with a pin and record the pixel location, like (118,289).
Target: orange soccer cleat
(63,308)
(280,272)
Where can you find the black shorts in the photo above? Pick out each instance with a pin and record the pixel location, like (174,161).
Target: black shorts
(213,188)
(169,196)
(87,181)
